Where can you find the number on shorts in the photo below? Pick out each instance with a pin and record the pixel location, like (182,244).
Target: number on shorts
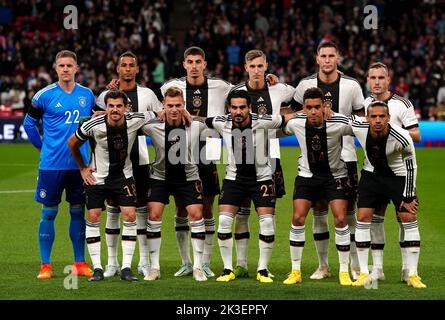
(268,190)
(131,190)
(198,186)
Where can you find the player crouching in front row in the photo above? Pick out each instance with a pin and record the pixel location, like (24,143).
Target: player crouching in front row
(174,172)
(110,174)
(389,172)
(248,174)
(321,175)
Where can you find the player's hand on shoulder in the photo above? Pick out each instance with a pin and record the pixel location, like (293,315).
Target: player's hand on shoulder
(87,175)
(328,113)
(186,118)
(272,79)
(286,110)
(161,115)
(114,84)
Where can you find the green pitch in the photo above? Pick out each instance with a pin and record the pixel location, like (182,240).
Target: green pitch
(19,254)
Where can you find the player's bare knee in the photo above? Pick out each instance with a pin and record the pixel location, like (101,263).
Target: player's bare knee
(94,215)
(129,215)
(298,220)
(407,217)
(194,212)
(155,215)
(340,221)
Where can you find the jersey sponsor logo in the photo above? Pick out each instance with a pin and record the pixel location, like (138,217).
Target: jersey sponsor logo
(197,92)
(260,99)
(58,105)
(42,193)
(82,101)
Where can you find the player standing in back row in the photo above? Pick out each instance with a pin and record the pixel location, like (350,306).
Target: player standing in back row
(343,95)
(266,99)
(204,97)
(140,99)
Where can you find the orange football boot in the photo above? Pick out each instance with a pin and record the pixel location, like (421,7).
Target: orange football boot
(46,272)
(81,269)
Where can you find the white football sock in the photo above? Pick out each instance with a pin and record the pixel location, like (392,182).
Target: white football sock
(297,237)
(266,239)
(112,232)
(198,237)
(225,240)
(92,237)
(154,242)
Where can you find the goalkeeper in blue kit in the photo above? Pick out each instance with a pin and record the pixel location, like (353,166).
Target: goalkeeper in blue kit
(59,107)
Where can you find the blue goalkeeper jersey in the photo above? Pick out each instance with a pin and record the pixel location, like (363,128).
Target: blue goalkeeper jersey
(61,113)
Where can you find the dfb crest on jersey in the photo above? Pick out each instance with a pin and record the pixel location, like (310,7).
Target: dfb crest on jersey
(118,145)
(82,101)
(262,109)
(316,143)
(118,142)
(197,101)
(328,103)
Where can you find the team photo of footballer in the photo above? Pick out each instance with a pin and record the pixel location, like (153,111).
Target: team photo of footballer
(222,150)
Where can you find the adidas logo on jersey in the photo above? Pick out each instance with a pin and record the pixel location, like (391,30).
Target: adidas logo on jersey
(260,99)
(58,105)
(328,94)
(197,91)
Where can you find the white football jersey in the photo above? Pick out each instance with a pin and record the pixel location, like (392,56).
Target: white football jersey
(394,155)
(144,100)
(401,111)
(206,100)
(320,152)
(345,95)
(246,148)
(112,146)
(177,149)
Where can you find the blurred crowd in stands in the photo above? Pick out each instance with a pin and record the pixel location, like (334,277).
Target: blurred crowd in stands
(410,39)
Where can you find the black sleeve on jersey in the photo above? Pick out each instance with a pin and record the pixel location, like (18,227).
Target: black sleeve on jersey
(35,112)
(158,94)
(80,135)
(209,123)
(295,105)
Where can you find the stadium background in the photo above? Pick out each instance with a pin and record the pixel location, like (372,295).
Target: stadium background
(410,39)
